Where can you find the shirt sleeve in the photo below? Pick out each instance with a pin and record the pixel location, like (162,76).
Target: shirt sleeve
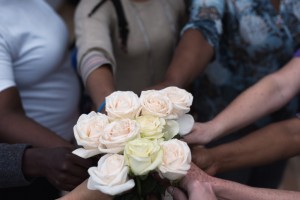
(6,67)
(206,16)
(297,54)
(11,174)
(93,37)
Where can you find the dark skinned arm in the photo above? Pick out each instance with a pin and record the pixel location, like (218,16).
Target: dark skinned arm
(190,58)
(100,83)
(16,127)
(274,142)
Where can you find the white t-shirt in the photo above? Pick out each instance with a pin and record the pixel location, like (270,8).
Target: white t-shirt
(33,43)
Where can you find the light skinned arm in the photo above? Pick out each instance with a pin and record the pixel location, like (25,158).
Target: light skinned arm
(82,192)
(231,190)
(190,58)
(100,83)
(268,95)
(16,127)
(272,143)
(224,189)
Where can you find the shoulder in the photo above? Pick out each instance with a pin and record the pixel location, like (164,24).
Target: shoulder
(6,42)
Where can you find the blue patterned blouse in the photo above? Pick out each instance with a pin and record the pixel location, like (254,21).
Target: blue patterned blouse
(250,38)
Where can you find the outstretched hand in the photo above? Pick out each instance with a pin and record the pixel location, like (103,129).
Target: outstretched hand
(197,185)
(204,159)
(202,133)
(62,168)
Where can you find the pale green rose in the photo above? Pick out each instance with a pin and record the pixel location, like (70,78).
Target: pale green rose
(143,155)
(171,129)
(151,127)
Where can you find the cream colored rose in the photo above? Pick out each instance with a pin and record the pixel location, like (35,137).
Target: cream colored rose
(122,104)
(181,99)
(176,159)
(143,155)
(156,103)
(117,134)
(87,131)
(152,127)
(110,176)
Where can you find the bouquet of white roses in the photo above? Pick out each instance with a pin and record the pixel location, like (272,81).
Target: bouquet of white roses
(137,138)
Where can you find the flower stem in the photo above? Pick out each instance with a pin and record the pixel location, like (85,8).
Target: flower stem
(139,188)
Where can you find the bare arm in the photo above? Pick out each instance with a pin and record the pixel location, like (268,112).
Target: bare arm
(100,83)
(275,142)
(224,189)
(235,191)
(191,57)
(267,96)
(81,192)
(16,127)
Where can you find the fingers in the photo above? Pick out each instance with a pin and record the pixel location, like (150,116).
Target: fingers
(85,163)
(176,193)
(202,133)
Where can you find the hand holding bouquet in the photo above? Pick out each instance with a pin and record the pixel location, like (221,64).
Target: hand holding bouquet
(137,138)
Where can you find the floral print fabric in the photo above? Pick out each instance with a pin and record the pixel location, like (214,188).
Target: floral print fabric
(250,38)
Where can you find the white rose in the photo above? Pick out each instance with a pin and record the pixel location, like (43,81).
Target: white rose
(176,159)
(122,104)
(156,103)
(110,176)
(181,99)
(117,134)
(143,155)
(151,127)
(87,131)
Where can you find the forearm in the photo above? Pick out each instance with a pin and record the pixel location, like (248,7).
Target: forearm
(235,191)
(268,95)
(82,192)
(17,128)
(274,142)
(100,83)
(190,58)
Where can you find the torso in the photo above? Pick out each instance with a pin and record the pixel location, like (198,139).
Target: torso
(256,40)
(154,27)
(48,87)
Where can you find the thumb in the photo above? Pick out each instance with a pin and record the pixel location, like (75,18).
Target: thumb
(176,193)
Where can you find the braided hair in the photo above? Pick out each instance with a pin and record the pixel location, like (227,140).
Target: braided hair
(122,22)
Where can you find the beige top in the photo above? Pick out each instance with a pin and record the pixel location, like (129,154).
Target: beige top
(153,32)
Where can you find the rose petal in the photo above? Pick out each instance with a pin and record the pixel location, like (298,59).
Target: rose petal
(172,129)
(186,123)
(86,153)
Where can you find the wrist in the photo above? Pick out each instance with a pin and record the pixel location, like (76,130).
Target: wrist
(218,186)
(216,166)
(173,81)
(217,129)
(31,163)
